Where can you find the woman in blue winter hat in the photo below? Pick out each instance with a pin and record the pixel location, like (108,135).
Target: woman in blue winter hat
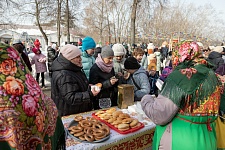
(88,47)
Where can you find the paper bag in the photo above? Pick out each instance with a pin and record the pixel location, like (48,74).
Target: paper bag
(125,95)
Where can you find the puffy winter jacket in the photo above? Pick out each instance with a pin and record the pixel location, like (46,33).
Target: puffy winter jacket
(87,62)
(141,79)
(108,90)
(52,55)
(70,88)
(216,59)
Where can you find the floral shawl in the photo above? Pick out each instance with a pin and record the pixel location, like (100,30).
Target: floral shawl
(192,85)
(28,118)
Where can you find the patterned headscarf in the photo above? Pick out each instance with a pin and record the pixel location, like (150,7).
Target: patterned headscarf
(25,111)
(185,50)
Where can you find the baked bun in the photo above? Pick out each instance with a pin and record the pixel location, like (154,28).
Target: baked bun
(99,85)
(123,127)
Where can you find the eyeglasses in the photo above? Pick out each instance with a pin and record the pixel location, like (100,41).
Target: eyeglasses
(205,50)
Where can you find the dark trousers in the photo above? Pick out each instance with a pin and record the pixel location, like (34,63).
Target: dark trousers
(42,78)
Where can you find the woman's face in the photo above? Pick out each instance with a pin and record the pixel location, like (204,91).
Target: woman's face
(119,58)
(108,60)
(77,61)
(90,51)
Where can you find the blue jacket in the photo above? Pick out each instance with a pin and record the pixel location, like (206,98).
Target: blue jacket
(141,79)
(87,62)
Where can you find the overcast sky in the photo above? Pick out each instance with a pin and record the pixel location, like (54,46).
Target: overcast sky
(218,5)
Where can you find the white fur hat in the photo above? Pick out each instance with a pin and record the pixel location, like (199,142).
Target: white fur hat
(152,56)
(150,46)
(98,45)
(200,44)
(218,49)
(211,47)
(54,46)
(118,50)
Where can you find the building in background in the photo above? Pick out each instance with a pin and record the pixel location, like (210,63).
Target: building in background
(29,33)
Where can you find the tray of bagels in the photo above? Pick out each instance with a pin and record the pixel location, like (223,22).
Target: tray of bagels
(121,122)
(88,129)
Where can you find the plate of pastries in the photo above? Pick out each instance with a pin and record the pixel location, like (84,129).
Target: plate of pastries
(118,121)
(88,129)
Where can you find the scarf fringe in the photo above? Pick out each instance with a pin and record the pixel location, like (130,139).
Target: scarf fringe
(198,95)
(61,144)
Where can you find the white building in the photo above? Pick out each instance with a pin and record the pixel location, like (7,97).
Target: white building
(30,33)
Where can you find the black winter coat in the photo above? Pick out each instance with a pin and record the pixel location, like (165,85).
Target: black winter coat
(52,55)
(216,59)
(26,60)
(108,91)
(164,52)
(70,89)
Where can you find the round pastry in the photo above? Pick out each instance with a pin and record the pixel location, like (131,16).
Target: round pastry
(124,116)
(88,118)
(116,114)
(82,137)
(98,133)
(86,129)
(78,118)
(90,131)
(111,120)
(123,127)
(111,110)
(106,117)
(134,123)
(99,112)
(138,125)
(85,123)
(106,130)
(89,137)
(116,122)
(98,125)
(76,129)
(128,120)
(119,119)
(93,120)
(71,128)
(99,85)
(78,134)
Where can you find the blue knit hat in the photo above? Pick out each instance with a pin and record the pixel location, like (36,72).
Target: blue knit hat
(88,43)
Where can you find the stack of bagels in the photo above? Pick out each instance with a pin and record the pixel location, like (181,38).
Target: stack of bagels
(89,129)
(118,119)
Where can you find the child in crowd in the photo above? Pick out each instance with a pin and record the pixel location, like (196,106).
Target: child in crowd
(166,71)
(158,61)
(153,77)
(40,65)
(141,58)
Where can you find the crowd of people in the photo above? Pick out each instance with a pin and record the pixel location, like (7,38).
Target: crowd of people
(187,107)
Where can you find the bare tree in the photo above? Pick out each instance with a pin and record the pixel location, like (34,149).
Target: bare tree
(37,15)
(133,19)
(96,18)
(67,21)
(59,21)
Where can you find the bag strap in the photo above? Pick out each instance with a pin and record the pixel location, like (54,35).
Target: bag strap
(135,83)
